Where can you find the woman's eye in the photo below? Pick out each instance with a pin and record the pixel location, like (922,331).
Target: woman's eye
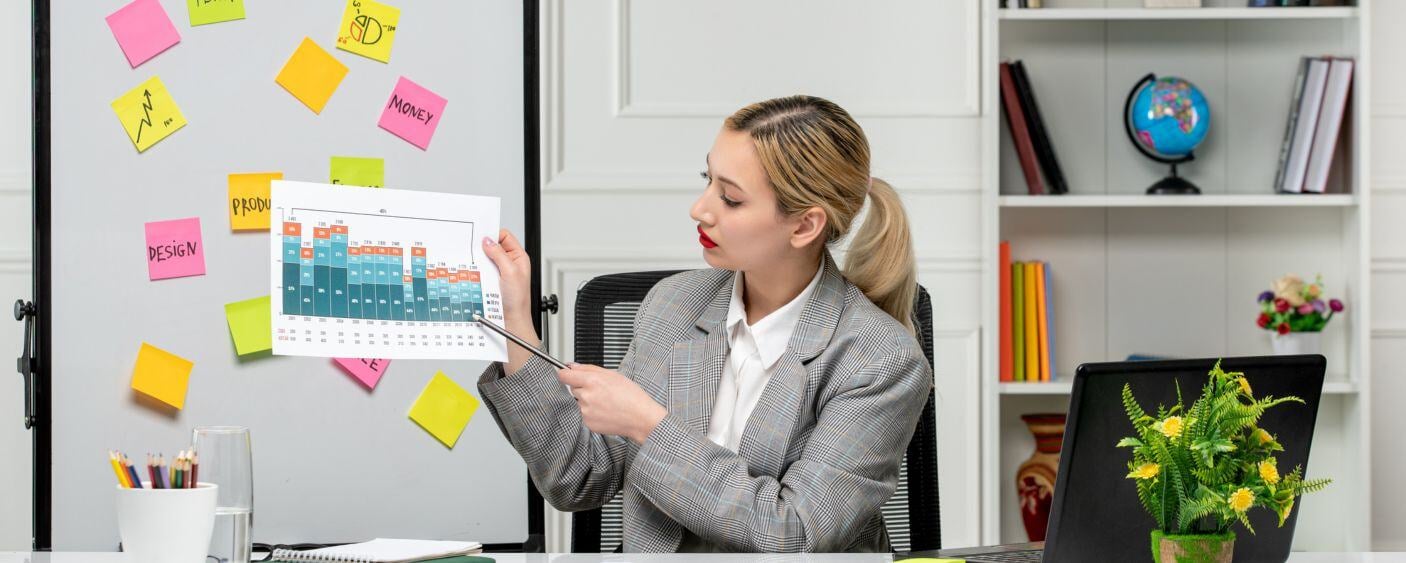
(706,178)
(728,202)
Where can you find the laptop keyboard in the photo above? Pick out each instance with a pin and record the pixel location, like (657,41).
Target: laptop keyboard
(1032,556)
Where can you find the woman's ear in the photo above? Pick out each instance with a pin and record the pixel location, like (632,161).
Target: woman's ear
(807,227)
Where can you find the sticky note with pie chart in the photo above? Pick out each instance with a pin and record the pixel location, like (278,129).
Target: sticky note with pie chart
(368,29)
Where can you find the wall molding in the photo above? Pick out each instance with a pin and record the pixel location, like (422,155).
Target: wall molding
(12,181)
(1389,332)
(1389,265)
(15,262)
(1389,109)
(625,106)
(1391,184)
(660,183)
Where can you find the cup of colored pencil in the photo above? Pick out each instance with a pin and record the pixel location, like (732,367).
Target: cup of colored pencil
(164,513)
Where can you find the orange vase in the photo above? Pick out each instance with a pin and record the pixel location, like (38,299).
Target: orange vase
(1034,481)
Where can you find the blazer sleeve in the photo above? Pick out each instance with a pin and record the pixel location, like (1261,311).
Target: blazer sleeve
(574,468)
(846,472)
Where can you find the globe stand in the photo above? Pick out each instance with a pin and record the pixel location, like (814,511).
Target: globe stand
(1170,185)
(1173,185)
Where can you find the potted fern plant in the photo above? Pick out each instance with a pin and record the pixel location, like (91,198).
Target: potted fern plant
(1199,470)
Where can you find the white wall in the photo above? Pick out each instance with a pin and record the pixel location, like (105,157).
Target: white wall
(15,224)
(1388,309)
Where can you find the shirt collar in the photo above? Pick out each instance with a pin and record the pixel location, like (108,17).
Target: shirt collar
(773,332)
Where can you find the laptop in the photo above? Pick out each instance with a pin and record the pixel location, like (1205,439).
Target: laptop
(1096,515)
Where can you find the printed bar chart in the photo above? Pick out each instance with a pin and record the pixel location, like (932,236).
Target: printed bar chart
(382,273)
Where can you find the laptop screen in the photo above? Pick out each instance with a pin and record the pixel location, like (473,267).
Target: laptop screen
(1096,515)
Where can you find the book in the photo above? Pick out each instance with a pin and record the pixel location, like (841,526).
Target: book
(1330,120)
(1005,312)
(1039,135)
(1049,325)
(1032,332)
(1307,123)
(383,550)
(1291,124)
(1018,321)
(1020,133)
(1042,325)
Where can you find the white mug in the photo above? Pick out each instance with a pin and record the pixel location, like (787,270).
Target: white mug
(166,525)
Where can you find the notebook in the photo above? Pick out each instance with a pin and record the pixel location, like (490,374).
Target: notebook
(382,550)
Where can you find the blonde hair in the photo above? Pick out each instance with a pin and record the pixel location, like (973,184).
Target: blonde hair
(815,155)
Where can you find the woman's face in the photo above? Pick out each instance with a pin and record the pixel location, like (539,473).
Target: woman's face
(740,227)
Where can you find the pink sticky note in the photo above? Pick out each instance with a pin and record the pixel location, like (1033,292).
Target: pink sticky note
(412,113)
(366,370)
(143,30)
(174,249)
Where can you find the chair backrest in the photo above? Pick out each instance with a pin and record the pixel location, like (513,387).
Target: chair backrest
(605,315)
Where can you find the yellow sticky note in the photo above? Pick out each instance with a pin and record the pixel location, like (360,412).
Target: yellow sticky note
(443,409)
(249,200)
(161,375)
(148,113)
(311,75)
(250,324)
(368,29)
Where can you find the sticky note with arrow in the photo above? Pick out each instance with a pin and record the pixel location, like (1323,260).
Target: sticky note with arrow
(148,113)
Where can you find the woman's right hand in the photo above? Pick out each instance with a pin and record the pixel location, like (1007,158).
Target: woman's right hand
(514,275)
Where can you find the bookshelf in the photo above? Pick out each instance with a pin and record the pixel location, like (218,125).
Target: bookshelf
(1177,275)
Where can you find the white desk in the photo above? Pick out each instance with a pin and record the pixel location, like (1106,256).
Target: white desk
(1305,557)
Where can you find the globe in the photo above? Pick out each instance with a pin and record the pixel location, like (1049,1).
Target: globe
(1166,118)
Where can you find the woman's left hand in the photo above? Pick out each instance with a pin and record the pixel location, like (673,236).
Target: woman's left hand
(611,403)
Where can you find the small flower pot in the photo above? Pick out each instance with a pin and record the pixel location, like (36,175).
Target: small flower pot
(1192,548)
(1297,343)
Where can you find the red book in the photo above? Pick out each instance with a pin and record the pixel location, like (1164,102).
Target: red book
(1007,364)
(1020,132)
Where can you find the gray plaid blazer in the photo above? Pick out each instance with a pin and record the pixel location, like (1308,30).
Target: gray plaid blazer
(818,457)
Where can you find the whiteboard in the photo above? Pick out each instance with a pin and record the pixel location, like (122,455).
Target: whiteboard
(333,462)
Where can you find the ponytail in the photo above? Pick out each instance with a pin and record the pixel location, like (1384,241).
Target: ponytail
(880,258)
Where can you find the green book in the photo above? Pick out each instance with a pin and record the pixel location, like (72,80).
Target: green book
(1018,320)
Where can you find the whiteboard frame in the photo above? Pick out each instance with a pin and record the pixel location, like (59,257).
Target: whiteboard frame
(40,359)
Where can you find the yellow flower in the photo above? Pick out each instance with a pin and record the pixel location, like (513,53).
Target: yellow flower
(1146,471)
(1242,499)
(1244,385)
(1268,472)
(1263,436)
(1314,290)
(1171,427)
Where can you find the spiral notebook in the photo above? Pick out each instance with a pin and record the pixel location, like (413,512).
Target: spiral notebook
(382,550)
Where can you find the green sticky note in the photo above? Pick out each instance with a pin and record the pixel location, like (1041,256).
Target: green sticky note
(443,409)
(357,171)
(251,325)
(214,11)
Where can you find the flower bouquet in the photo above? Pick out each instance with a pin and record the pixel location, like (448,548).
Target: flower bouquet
(1199,470)
(1296,314)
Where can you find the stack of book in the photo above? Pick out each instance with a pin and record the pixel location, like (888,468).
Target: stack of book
(1027,335)
(1032,139)
(1321,92)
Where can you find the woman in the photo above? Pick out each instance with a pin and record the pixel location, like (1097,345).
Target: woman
(764,404)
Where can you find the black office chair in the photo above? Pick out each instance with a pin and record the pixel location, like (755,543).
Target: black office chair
(605,315)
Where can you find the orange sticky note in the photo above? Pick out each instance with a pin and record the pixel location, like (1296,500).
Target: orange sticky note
(249,200)
(311,75)
(162,375)
(443,409)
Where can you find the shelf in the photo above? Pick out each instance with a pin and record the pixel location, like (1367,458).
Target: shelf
(1265,200)
(1064,387)
(1211,13)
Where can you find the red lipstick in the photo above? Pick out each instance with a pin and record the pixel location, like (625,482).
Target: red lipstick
(704,240)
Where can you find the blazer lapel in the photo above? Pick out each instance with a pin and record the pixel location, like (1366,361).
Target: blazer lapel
(696,364)
(769,430)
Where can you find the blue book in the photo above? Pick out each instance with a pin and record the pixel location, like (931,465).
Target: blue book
(1049,323)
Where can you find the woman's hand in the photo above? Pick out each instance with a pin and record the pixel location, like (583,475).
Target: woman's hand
(611,403)
(514,274)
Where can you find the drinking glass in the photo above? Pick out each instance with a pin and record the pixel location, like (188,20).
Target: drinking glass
(225,454)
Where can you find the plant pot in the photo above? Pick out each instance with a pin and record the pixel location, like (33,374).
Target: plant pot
(1192,548)
(1034,480)
(1297,343)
